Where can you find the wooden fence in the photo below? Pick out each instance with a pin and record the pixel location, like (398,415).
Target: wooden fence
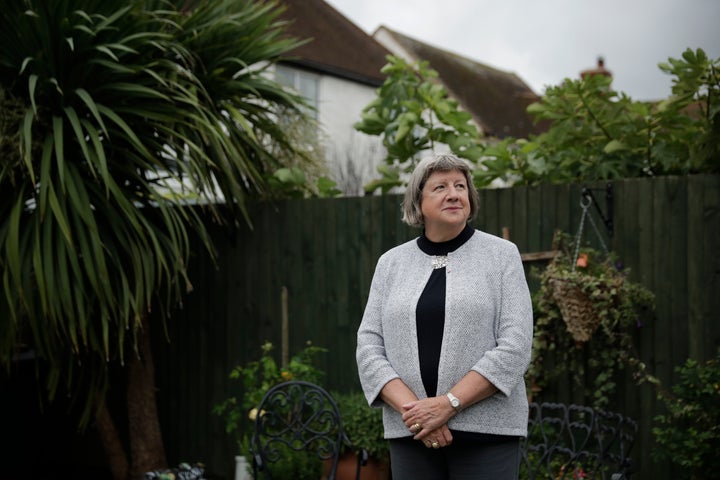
(323,252)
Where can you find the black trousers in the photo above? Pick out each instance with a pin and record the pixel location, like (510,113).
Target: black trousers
(464,459)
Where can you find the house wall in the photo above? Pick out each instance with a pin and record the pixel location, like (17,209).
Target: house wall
(352,156)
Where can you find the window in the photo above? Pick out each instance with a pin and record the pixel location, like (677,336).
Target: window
(304,82)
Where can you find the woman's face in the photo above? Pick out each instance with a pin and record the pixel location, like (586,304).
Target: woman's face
(445,203)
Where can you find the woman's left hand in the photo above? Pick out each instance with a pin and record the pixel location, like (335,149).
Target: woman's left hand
(424,416)
(441,437)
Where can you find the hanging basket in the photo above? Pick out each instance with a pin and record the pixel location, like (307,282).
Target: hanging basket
(580,316)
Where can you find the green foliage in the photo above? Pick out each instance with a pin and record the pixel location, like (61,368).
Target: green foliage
(538,465)
(599,134)
(695,108)
(296,464)
(596,133)
(588,122)
(363,424)
(327,188)
(116,109)
(256,378)
(594,346)
(413,113)
(511,161)
(293,183)
(304,173)
(688,435)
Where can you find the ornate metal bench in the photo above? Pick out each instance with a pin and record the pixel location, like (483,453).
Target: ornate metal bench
(300,416)
(576,442)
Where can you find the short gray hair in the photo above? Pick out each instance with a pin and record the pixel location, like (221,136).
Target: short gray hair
(444,162)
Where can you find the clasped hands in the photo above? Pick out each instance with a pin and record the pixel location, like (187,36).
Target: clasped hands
(427,421)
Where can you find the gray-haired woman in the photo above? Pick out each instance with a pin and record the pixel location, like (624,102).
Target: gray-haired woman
(446,335)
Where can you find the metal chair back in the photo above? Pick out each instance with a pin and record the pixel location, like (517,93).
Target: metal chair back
(575,441)
(300,416)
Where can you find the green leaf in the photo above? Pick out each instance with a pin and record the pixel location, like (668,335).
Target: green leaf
(76,126)
(59,150)
(12,243)
(59,214)
(32,85)
(90,103)
(614,146)
(26,61)
(27,138)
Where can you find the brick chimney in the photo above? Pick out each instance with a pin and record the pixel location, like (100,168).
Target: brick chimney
(599,70)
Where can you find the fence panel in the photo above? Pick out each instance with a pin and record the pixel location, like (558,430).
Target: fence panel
(323,251)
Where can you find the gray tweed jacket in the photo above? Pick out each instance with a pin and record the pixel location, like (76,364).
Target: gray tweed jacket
(488,329)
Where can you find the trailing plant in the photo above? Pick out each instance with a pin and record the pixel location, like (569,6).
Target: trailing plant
(586,311)
(688,435)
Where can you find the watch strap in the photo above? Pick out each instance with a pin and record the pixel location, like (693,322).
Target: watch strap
(454,401)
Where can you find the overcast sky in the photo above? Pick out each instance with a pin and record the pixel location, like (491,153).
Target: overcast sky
(545,41)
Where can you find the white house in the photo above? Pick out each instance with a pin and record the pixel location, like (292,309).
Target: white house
(338,71)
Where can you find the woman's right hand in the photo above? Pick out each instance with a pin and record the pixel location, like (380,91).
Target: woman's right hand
(430,413)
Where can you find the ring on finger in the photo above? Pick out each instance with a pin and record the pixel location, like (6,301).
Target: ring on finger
(435,445)
(415,428)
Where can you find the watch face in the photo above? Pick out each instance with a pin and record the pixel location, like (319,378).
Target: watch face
(454,401)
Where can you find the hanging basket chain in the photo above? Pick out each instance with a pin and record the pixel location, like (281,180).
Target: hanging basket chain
(576,305)
(578,238)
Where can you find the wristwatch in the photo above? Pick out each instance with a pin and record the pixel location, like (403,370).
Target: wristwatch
(455,402)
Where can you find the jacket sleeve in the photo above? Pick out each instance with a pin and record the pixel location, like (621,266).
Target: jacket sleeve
(505,365)
(374,368)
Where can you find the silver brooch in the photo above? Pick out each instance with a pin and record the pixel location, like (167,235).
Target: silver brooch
(439,261)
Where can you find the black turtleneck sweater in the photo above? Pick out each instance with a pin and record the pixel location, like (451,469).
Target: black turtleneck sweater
(430,310)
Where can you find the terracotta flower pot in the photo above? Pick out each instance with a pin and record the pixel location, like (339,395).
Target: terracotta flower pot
(347,465)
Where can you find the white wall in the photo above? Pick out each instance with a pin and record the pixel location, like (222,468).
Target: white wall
(352,155)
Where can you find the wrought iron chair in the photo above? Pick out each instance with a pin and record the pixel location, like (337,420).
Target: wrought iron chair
(568,441)
(300,416)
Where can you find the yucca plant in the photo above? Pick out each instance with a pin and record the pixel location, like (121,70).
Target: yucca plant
(122,125)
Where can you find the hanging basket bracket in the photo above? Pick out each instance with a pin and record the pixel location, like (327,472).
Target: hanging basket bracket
(607,215)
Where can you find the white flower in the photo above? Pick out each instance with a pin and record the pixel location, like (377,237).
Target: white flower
(254,413)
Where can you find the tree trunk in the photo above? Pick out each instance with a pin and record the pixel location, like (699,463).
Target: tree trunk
(114,451)
(146,446)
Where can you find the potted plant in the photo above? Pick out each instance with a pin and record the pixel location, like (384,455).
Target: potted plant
(256,378)
(586,311)
(364,427)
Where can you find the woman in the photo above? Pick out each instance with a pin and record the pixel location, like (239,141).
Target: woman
(446,335)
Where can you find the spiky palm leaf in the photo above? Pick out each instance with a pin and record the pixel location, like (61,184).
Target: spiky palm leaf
(110,108)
